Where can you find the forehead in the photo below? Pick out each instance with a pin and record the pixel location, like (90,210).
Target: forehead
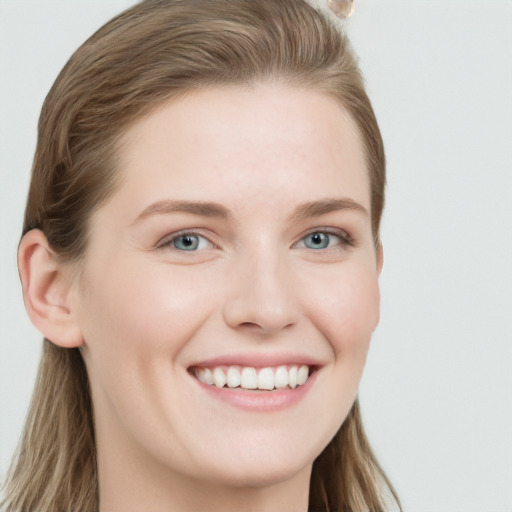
(266,139)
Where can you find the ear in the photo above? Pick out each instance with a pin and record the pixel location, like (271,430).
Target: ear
(47,284)
(380,258)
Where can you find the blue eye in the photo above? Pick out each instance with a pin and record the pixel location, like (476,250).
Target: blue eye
(189,242)
(318,240)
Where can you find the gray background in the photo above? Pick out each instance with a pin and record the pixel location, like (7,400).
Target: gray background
(436,395)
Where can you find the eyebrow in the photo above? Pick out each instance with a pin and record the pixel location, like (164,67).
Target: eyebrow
(215,210)
(200,208)
(325,206)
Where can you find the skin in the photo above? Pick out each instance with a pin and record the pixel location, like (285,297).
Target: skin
(144,311)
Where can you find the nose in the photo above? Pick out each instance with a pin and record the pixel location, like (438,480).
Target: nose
(261,295)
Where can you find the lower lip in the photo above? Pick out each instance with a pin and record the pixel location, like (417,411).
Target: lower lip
(260,401)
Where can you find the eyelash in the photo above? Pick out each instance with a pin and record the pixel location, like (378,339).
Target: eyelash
(169,241)
(343,237)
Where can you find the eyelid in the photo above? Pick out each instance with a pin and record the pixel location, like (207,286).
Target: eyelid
(165,242)
(343,235)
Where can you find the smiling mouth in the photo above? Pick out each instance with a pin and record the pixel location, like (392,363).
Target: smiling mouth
(251,378)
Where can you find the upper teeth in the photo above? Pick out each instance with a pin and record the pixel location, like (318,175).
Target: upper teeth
(247,377)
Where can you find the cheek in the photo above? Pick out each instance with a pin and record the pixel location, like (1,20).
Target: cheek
(346,308)
(134,313)
(136,322)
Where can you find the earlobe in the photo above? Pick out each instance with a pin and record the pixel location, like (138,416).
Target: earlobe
(380,258)
(46,284)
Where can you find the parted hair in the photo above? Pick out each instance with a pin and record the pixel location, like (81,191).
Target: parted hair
(147,55)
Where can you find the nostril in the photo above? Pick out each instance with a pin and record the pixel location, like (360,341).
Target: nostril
(265,326)
(261,299)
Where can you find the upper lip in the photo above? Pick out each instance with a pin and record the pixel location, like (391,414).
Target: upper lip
(258,360)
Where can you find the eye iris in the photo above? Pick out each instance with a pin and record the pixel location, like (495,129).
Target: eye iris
(186,242)
(317,241)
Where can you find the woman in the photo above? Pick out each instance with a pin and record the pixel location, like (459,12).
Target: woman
(201,252)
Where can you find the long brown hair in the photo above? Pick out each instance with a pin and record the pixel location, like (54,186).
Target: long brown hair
(153,52)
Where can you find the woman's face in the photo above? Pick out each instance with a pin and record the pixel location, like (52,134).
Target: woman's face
(238,247)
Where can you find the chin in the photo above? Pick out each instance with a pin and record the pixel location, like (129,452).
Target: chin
(257,470)
(259,476)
